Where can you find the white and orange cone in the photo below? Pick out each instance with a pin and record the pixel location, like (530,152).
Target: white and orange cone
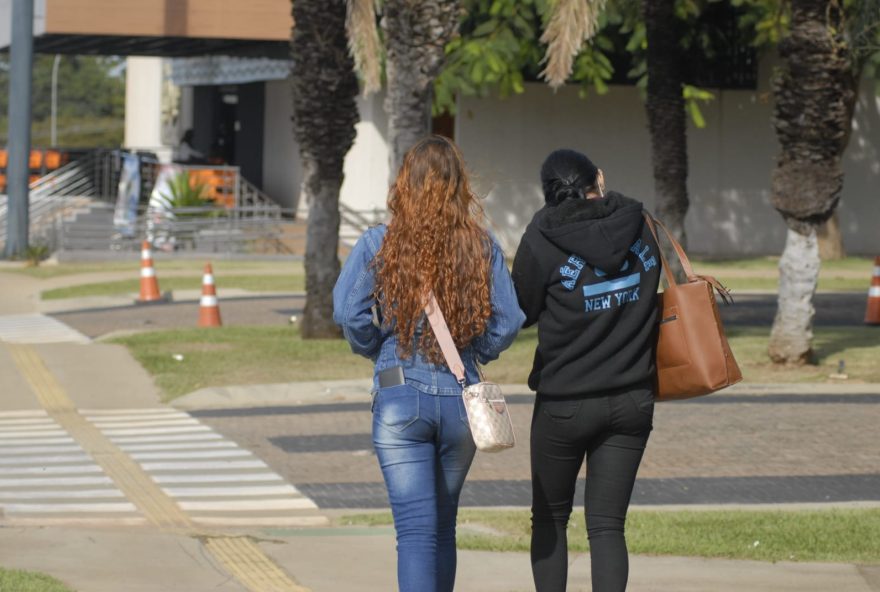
(209,310)
(149,281)
(872,314)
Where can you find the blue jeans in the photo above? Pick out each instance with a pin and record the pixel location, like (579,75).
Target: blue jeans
(425,449)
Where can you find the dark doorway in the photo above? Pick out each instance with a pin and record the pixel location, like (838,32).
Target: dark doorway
(228,126)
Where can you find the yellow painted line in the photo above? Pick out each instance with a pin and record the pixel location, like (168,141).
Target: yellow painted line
(250,566)
(242,557)
(128,476)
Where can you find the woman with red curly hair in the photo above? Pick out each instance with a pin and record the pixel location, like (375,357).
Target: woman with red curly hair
(436,241)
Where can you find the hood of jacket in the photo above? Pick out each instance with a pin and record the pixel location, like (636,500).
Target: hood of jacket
(600,231)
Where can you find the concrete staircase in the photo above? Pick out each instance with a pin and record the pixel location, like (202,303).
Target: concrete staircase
(90,229)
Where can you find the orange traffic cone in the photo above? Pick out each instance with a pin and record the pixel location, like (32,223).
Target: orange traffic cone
(872,314)
(209,310)
(149,282)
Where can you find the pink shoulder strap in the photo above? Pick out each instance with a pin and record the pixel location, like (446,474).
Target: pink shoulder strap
(444,338)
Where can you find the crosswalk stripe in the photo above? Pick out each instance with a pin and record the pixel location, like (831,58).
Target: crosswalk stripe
(45,460)
(241,557)
(24,413)
(62,507)
(156,431)
(122,440)
(211,444)
(187,454)
(156,423)
(6,435)
(61,470)
(56,481)
(28,421)
(37,441)
(217,478)
(261,504)
(62,495)
(37,328)
(134,411)
(34,450)
(203,465)
(257,490)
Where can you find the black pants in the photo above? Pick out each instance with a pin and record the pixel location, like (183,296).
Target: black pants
(611,430)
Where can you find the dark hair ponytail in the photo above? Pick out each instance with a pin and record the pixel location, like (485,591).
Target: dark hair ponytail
(566,174)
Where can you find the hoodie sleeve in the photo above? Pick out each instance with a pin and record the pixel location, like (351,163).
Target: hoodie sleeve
(529,283)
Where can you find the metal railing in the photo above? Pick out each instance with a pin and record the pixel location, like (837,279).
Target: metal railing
(95,176)
(354,222)
(195,230)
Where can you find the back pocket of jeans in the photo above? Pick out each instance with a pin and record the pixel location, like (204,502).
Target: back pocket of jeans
(643,399)
(561,411)
(396,407)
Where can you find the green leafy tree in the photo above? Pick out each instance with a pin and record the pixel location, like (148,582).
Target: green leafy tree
(91,101)
(503,41)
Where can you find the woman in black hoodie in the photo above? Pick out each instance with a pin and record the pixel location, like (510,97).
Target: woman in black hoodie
(587,272)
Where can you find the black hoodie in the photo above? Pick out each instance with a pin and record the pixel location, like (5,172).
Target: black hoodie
(587,272)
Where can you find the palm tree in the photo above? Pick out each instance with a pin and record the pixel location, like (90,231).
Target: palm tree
(667,123)
(416,33)
(813,95)
(324,117)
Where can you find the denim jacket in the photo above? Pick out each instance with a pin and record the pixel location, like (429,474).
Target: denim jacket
(354,299)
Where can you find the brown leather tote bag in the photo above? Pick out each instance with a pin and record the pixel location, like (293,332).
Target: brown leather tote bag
(693,356)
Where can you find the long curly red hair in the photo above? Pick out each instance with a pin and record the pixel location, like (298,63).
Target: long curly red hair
(435,240)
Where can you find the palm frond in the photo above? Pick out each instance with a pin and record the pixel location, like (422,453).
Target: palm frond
(570,24)
(363,42)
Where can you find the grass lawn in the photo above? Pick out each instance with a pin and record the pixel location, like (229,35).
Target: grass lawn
(257,355)
(859,347)
(16,580)
(293,282)
(241,355)
(821,535)
(46,271)
(761,273)
(756,273)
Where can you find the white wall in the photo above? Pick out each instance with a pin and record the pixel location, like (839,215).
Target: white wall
(282,173)
(731,161)
(365,186)
(143,106)
(366,166)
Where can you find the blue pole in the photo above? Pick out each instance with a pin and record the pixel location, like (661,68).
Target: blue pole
(19,144)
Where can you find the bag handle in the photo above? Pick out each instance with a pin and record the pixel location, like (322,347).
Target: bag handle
(685,262)
(444,339)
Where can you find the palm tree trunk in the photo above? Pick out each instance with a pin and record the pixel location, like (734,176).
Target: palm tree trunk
(416,33)
(324,116)
(812,121)
(667,123)
(792,335)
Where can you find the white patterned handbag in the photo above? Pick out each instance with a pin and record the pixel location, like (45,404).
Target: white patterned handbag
(486,408)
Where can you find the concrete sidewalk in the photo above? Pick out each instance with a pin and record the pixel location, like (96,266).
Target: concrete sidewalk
(363,560)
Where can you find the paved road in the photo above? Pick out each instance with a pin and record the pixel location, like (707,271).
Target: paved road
(263,310)
(744,449)
(750,309)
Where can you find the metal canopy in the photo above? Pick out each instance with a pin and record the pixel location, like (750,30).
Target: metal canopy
(158,46)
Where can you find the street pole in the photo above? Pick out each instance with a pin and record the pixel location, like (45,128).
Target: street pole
(54,139)
(21,58)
